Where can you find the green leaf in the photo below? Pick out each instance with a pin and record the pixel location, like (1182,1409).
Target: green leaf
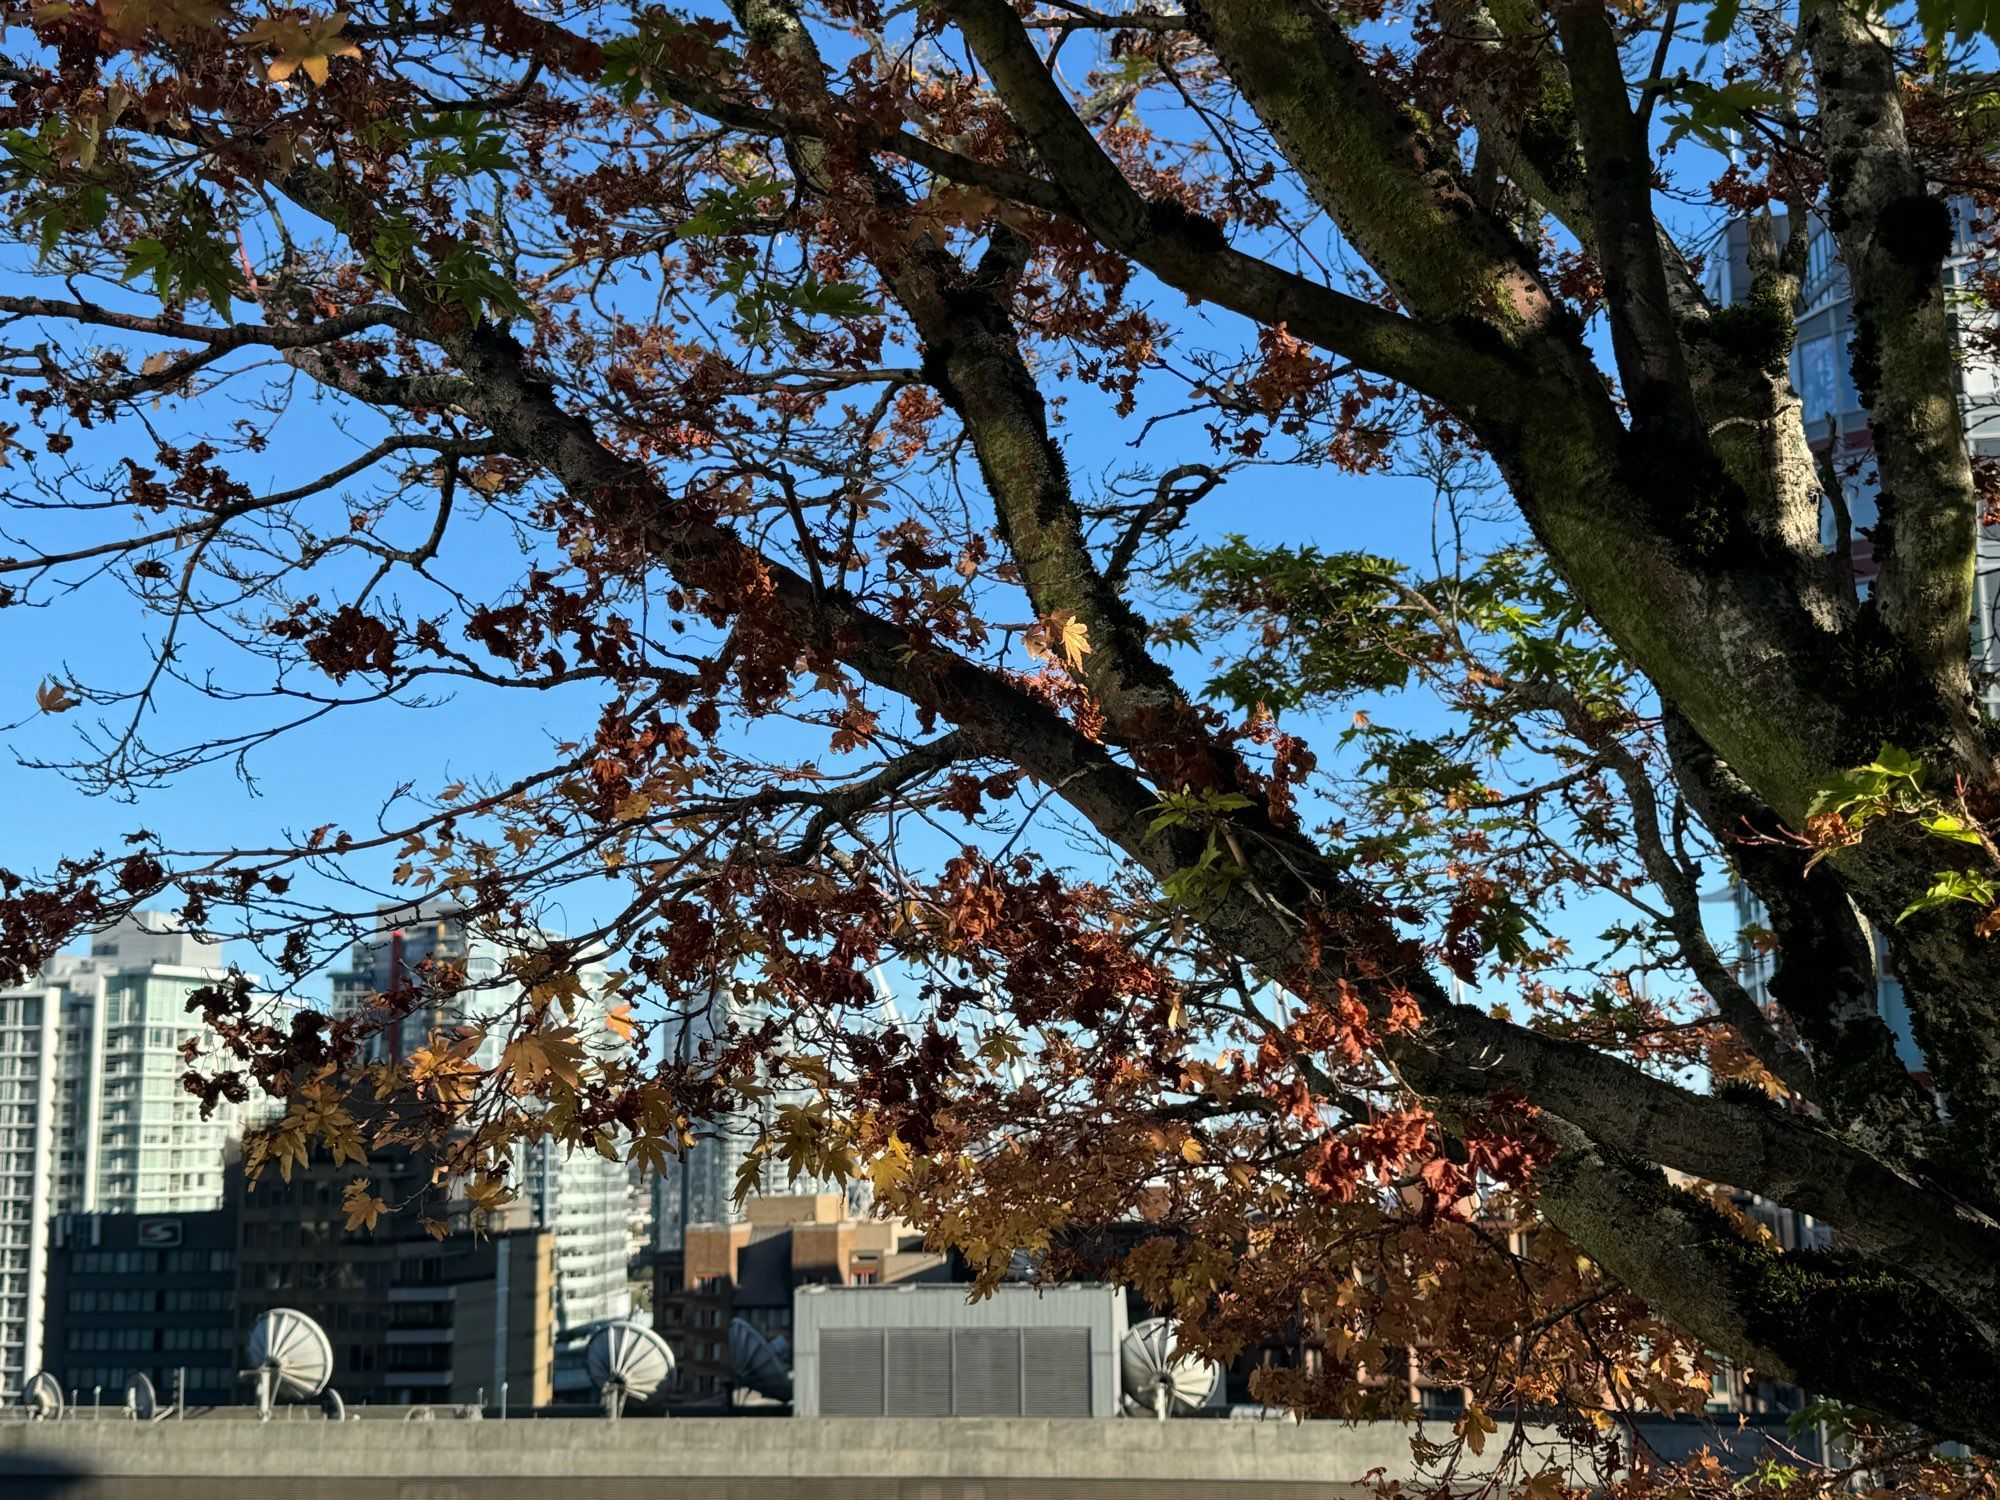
(1950,886)
(723,209)
(469,278)
(186,255)
(1945,826)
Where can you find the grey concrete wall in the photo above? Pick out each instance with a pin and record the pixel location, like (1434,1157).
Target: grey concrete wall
(804,1457)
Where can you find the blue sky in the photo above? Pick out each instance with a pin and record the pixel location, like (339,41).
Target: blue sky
(342,768)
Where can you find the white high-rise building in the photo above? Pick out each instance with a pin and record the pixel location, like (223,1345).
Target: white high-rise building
(92,1114)
(701,1188)
(577,1194)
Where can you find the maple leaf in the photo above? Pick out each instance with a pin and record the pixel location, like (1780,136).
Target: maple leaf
(361,1205)
(618,1021)
(1060,636)
(1474,1427)
(535,1056)
(302,44)
(488,1193)
(890,1166)
(54,698)
(649,1154)
(446,1069)
(288,1147)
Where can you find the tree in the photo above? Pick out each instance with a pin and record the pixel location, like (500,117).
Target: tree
(745,326)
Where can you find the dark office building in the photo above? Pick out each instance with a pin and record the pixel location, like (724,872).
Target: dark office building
(143,1293)
(413,1320)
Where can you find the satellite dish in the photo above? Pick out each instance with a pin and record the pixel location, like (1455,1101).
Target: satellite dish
(43,1398)
(628,1362)
(331,1406)
(139,1398)
(757,1363)
(1158,1377)
(290,1356)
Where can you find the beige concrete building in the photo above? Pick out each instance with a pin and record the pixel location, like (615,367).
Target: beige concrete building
(751,1268)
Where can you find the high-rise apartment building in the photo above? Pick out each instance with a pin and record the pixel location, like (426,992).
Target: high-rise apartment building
(701,1188)
(1837,424)
(92,1115)
(577,1195)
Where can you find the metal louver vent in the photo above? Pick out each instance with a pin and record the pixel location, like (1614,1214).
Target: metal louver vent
(919,1376)
(1055,1372)
(850,1373)
(986,1372)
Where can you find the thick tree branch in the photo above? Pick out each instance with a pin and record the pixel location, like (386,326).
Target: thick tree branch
(1865,1333)
(1398,198)
(1824,975)
(1620,187)
(1894,235)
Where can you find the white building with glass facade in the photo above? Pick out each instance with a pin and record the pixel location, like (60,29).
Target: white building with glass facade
(579,1195)
(92,1114)
(701,1188)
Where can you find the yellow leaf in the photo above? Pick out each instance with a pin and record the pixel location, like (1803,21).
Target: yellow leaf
(307,44)
(361,1205)
(488,1193)
(536,1056)
(618,1021)
(1061,636)
(1473,1427)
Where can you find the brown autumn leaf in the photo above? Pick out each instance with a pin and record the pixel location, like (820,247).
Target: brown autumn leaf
(361,1205)
(54,698)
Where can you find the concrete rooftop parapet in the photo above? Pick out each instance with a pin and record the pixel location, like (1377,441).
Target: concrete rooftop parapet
(966,1456)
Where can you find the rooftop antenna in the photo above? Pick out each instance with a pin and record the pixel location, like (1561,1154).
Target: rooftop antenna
(758,1363)
(140,1399)
(43,1397)
(290,1357)
(627,1361)
(1158,1377)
